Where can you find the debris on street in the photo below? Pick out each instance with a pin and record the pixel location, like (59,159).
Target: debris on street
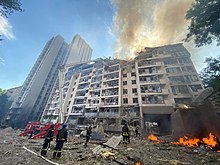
(17,150)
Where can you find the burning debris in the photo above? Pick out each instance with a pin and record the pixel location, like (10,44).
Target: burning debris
(210,143)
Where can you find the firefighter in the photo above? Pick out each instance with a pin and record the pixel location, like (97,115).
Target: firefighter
(47,140)
(125,134)
(88,135)
(60,139)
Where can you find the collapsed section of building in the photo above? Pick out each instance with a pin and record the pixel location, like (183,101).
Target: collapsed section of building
(142,92)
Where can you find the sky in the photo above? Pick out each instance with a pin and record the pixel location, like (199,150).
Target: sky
(26,33)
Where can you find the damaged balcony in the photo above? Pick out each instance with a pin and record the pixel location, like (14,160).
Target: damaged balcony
(81,93)
(113,83)
(95,86)
(77,110)
(79,101)
(109,113)
(113,68)
(95,93)
(91,113)
(149,79)
(112,76)
(157,89)
(180,89)
(86,73)
(151,89)
(110,92)
(93,102)
(110,101)
(96,79)
(84,79)
(153,99)
(149,71)
(130,111)
(83,86)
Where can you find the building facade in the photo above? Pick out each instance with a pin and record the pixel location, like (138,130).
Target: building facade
(144,90)
(42,77)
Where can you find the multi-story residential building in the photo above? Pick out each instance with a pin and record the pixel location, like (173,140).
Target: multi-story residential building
(44,74)
(144,90)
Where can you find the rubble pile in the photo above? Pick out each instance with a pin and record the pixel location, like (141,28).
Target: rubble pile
(139,151)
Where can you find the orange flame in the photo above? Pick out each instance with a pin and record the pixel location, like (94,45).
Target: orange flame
(187,142)
(137,163)
(152,138)
(210,141)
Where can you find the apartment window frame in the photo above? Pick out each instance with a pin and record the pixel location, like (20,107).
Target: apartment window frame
(125,100)
(125,91)
(133,82)
(135,100)
(134,90)
(125,83)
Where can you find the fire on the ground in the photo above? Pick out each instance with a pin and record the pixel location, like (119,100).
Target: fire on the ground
(211,141)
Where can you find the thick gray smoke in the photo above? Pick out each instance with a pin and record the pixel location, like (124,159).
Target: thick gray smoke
(141,23)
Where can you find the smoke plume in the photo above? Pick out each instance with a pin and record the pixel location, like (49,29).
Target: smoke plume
(141,23)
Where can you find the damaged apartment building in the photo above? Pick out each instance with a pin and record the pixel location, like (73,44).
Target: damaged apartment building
(142,91)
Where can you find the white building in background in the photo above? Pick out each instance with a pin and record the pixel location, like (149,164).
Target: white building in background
(146,89)
(44,74)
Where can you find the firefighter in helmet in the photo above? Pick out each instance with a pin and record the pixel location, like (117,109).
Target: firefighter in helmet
(60,139)
(125,134)
(47,140)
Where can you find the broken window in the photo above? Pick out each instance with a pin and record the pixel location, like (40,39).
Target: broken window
(77,109)
(173,70)
(151,89)
(184,60)
(92,102)
(112,76)
(187,69)
(177,79)
(145,63)
(170,61)
(110,101)
(145,79)
(195,88)
(114,68)
(96,79)
(111,83)
(150,70)
(109,92)
(151,99)
(182,89)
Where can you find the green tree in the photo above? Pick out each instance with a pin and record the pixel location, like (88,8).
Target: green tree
(204,16)
(9,6)
(211,74)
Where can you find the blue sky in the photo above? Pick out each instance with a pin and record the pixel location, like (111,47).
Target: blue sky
(30,30)
(43,19)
